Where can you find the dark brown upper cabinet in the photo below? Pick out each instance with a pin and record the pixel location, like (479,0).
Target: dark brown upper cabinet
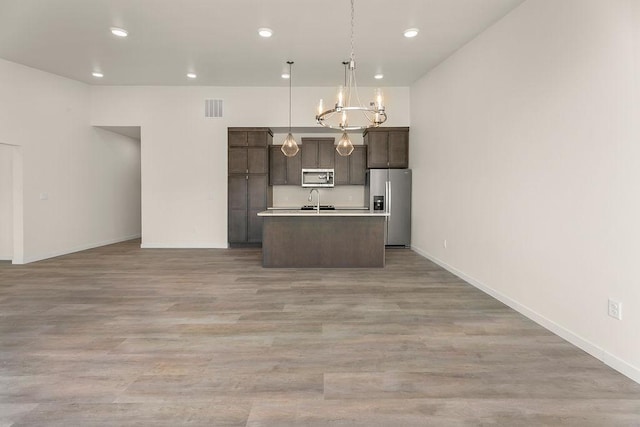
(387,147)
(351,170)
(318,153)
(284,170)
(250,137)
(248,150)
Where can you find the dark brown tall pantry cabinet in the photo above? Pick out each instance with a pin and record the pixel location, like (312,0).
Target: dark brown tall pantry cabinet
(247,183)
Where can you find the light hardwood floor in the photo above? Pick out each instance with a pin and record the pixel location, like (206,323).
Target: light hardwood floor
(119,336)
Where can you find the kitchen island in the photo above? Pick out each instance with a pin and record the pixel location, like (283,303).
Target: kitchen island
(332,238)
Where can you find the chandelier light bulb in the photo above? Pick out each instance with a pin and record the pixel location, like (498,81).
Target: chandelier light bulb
(379,99)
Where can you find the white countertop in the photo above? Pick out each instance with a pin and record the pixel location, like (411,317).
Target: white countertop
(344,208)
(336,212)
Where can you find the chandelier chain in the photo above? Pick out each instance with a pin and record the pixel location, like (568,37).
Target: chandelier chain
(352,30)
(374,113)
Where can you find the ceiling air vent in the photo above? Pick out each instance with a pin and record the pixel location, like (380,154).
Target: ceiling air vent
(212,108)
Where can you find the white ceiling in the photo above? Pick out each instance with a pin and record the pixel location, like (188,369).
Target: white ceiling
(218,40)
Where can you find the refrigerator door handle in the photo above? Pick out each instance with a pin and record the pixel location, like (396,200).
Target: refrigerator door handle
(388,184)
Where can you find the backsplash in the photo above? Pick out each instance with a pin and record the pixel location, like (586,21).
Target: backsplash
(285,196)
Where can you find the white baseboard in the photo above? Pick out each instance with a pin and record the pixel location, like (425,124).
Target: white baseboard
(181,246)
(621,366)
(29,259)
(614,362)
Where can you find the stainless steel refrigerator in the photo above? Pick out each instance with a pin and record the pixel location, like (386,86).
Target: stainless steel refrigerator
(389,190)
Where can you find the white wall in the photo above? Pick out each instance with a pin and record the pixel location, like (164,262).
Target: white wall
(526,158)
(67,167)
(6,202)
(184,155)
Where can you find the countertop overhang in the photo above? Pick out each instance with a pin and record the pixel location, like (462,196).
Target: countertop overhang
(323,213)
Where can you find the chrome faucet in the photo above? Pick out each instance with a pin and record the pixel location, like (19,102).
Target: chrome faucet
(311,198)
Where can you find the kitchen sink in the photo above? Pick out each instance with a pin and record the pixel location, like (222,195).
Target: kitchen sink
(322,207)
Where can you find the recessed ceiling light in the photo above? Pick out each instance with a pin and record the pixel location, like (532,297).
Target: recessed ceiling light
(119,32)
(378,76)
(411,32)
(192,75)
(265,32)
(286,75)
(97,74)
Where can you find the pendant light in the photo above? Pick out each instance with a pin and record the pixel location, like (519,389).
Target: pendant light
(345,146)
(290,146)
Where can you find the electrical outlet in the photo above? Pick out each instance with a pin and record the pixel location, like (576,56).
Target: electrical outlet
(615,309)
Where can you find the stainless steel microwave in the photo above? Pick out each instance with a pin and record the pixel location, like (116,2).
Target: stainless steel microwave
(317,177)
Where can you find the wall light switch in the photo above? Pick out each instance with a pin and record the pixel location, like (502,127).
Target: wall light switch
(44,196)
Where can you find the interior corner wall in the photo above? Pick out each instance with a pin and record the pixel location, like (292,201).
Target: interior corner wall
(525,143)
(6,202)
(184,154)
(63,164)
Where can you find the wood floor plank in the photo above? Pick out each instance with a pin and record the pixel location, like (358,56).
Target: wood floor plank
(123,336)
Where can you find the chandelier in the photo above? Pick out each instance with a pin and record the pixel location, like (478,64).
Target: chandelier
(346,116)
(289,146)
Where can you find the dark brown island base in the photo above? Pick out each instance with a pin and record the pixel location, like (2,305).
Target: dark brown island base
(308,239)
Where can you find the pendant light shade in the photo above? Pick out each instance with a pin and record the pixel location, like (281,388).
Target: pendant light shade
(344,147)
(290,146)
